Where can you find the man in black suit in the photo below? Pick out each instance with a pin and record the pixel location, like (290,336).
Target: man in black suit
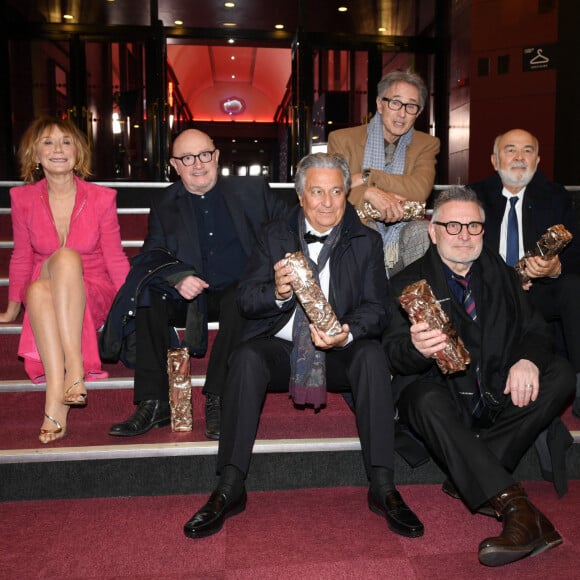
(210,224)
(479,422)
(539,204)
(283,352)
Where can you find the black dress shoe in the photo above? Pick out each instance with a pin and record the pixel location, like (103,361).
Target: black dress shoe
(400,518)
(484,510)
(149,414)
(212,416)
(210,518)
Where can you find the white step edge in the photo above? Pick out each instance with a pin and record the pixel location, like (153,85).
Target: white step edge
(6,183)
(133,210)
(186,449)
(26,386)
(124,244)
(120,210)
(11,328)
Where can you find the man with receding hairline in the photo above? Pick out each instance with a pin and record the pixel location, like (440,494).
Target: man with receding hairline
(210,224)
(538,204)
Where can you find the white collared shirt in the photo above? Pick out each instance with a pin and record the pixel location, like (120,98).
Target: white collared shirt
(314,249)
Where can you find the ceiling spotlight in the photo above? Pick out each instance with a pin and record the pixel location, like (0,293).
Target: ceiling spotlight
(231,41)
(178,23)
(382,29)
(230,4)
(230,24)
(279,26)
(68,16)
(342,9)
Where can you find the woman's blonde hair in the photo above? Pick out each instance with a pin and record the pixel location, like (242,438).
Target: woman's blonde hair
(30,170)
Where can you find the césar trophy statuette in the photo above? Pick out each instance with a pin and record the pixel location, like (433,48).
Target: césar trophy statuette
(179,389)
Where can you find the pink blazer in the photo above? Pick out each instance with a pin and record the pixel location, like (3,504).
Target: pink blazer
(94,233)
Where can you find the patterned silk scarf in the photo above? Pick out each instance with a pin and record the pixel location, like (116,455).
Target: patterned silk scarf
(374,158)
(308,364)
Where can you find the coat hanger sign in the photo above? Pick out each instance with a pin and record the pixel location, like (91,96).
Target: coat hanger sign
(539,58)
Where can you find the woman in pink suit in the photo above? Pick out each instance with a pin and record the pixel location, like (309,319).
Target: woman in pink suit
(66,267)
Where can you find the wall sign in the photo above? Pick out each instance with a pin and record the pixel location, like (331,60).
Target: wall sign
(539,58)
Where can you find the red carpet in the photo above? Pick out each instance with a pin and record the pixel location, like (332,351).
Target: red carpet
(307,534)
(21,416)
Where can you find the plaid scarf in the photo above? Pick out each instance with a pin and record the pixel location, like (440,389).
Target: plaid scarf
(308,364)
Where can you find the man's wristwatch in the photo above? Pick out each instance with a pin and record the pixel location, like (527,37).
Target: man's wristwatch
(365,175)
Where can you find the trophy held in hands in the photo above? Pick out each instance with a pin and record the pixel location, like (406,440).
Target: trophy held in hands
(550,244)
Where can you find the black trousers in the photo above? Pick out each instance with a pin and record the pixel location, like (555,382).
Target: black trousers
(557,300)
(481,462)
(153,325)
(261,365)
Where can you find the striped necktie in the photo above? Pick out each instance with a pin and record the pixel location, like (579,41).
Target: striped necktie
(512,254)
(478,402)
(468,301)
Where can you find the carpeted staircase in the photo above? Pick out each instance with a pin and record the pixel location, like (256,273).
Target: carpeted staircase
(295,448)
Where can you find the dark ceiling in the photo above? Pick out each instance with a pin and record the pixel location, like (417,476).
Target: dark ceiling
(255,69)
(395,17)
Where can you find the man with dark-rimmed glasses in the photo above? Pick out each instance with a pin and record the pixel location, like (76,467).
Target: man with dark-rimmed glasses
(209,224)
(392,162)
(478,423)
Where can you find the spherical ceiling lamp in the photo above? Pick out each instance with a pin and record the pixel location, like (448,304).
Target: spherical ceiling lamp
(233,105)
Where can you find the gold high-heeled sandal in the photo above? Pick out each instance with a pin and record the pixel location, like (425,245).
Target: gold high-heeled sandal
(56,431)
(73,400)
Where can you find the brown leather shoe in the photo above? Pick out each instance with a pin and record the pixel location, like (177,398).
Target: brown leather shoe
(484,510)
(526,531)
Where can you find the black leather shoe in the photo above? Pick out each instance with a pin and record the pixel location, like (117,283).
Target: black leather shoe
(149,414)
(212,416)
(484,510)
(210,518)
(400,518)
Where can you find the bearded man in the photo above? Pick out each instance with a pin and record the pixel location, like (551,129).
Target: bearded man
(537,204)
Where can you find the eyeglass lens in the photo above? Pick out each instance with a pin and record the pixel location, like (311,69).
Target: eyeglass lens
(204,157)
(454,228)
(396,105)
